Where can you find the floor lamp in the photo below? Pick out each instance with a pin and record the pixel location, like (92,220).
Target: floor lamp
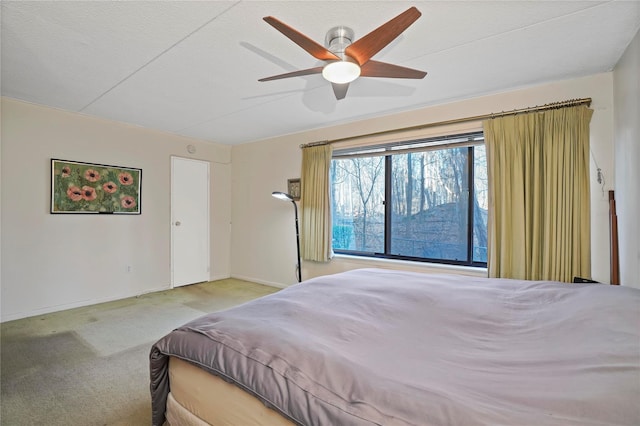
(286,197)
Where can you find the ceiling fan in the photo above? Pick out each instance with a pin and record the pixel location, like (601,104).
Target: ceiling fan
(350,59)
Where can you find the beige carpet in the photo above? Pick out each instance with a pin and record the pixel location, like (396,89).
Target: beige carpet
(89,366)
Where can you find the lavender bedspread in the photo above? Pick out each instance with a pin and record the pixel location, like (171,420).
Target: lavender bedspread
(382,347)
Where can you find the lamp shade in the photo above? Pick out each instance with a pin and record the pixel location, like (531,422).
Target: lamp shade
(341,72)
(282,196)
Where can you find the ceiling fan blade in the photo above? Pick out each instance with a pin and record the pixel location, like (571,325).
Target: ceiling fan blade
(364,48)
(382,69)
(308,71)
(340,90)
(318,51)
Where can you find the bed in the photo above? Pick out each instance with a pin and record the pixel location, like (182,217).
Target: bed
(384,347)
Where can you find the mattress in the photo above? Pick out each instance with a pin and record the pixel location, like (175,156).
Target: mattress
(371,347)
(178,415)
(198,398)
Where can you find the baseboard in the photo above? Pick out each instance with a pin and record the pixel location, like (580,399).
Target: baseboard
(89,302)
(73,305)
(260,281)
(219,277)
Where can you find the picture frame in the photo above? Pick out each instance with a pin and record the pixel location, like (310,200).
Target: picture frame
(293,188)
(90,188)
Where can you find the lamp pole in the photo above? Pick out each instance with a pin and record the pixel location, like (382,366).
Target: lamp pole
(286,197)
(295,209)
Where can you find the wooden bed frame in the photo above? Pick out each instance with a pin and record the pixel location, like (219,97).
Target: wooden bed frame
(613,228)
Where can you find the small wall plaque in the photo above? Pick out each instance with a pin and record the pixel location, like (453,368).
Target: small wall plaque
(293,187)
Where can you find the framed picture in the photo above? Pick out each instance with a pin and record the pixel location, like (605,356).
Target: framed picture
(78,187)
(293,188)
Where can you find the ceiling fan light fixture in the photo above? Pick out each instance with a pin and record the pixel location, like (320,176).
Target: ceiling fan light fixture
(341,72)
(345,56)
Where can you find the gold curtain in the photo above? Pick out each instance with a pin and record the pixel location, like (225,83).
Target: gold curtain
(539,209)
(315,205)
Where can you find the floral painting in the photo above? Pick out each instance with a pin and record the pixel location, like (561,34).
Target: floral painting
(94,188)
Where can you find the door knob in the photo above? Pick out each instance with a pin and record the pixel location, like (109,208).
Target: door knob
(178,223)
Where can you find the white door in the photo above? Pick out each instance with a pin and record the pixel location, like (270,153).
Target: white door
(189,221)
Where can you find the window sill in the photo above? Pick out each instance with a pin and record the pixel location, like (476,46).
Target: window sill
(360,261)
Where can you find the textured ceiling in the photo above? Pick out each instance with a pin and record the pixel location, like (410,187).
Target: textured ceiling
(192,68)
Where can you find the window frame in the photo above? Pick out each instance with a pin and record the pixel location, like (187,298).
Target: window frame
(388,150)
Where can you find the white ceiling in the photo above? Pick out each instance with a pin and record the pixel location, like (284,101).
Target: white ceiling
(192,68)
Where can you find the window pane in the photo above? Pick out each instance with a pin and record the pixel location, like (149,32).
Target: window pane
(436,200)
(357,186)
(430,204)
(481,206)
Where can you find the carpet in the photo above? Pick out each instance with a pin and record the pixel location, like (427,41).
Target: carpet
(89,366)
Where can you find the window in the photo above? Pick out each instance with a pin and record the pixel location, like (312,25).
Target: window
(424,200)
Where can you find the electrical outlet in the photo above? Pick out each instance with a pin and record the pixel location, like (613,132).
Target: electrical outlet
(128,268)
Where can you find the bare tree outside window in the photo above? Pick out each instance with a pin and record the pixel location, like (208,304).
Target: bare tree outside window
(438,205)
(358,201)
(439,229)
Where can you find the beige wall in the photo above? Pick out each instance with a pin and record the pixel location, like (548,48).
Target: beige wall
(626,89)
(263,244)
(53,262)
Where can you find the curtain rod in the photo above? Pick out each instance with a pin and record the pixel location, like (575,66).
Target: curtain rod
(545,107)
